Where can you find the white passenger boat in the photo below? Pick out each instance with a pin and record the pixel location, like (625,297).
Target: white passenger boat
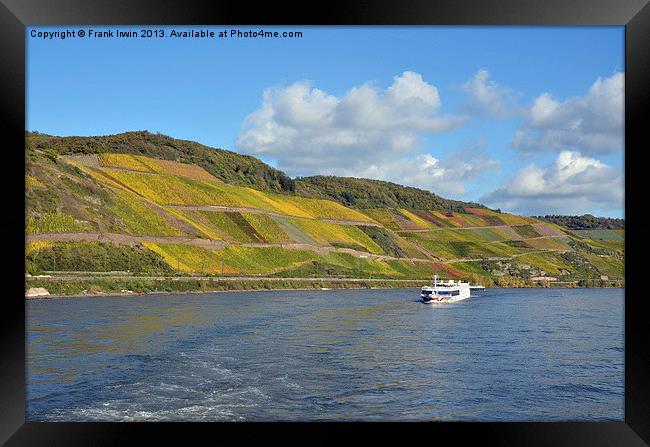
(448,291)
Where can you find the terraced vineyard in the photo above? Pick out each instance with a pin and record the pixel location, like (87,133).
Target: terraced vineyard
(278,261)
(54,223)
(327,233)
(177,218)
(236,226)
(601,235)
(139,163)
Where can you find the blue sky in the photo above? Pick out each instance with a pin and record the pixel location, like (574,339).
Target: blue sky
(528,119)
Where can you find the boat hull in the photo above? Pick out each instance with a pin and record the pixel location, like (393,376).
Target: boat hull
(445,300)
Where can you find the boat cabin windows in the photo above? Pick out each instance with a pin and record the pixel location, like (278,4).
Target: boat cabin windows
(449,292)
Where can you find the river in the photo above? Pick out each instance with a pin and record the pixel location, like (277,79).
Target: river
(505,355)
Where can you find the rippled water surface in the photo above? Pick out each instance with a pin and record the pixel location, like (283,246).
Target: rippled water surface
(509,354)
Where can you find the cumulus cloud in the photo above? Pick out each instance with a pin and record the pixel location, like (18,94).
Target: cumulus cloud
(572,184)
(489,98)
(308,131)
(591,124)
(447,176)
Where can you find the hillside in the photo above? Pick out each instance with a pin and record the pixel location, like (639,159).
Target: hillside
(94,210)
(366,193)
(228,166)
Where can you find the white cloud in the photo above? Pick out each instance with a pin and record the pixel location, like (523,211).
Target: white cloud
(572,184)
(591,124)
(307,131)
(489,98)
(447,177)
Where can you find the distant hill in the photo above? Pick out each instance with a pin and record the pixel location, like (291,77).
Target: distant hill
(585,222)
(228,166)
(366,194)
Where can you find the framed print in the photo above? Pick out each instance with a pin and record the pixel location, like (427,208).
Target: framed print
(427,217)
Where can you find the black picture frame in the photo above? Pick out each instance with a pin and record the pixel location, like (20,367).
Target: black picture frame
(15,15)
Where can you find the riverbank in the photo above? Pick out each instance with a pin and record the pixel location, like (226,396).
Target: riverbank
(69,286)
(59,287)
